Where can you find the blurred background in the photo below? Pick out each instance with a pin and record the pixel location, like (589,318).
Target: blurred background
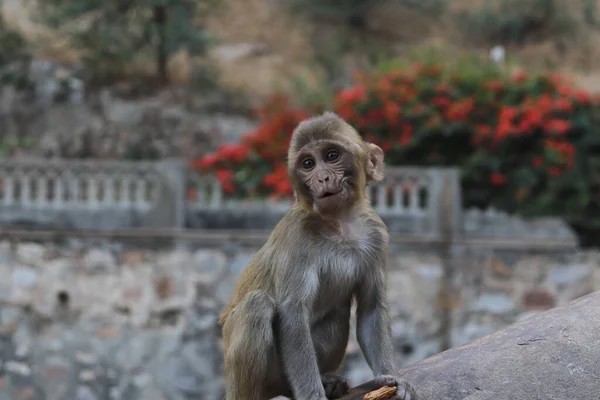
(142,164)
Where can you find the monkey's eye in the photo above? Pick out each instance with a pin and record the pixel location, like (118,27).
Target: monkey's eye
(308,163)
(332,155)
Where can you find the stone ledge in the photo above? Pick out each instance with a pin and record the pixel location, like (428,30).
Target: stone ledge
(257,237)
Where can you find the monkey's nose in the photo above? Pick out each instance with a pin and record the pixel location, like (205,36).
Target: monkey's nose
(326,179)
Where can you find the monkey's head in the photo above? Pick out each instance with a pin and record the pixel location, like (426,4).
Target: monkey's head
(329,164)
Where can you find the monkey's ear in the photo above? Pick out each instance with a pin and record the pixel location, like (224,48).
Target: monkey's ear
(374,163)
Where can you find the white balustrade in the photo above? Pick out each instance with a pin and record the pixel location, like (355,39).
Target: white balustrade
(79,184)
(152,193)
(399,194)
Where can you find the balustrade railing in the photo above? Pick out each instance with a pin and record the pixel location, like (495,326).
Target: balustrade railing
(79,184)
(86,193)
(408,195)
(404,191)
(115,194)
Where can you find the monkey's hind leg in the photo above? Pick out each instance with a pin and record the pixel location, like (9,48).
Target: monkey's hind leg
(250,345)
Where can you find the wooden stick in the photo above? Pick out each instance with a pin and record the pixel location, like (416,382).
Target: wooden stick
(382,393)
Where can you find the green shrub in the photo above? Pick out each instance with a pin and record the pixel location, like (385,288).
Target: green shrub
(354,12)
(112,33)
(516,21)
(14,59)
(351,12)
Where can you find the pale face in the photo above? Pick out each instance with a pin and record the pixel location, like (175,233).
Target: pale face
(326,171)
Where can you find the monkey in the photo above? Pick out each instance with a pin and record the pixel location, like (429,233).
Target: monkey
(286,329)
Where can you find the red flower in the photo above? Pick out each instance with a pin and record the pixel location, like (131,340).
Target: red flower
(362,122)
(208,161)
(559,126)
(385,146)
(519,75)
(384,85)
(483,130)
(233,152)
(353,95)
(418,109)
(392,112)
(565,150)
(459,110)
(504,129)
(394,104)
(276,177)
(284,187)
(497,179)
(563,105)
(441,102)
(583,97)
(554,171)
(433,70)
(374,115)
(442,88)
(508,114)
(345,111)
(225,177)
(532,118)
(544,103)
(564,90)
(494,85)
(555,77)
(406,135)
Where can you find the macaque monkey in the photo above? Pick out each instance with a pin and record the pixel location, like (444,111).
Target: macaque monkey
(286,329)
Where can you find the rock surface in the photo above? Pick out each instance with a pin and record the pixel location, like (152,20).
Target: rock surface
(552,355)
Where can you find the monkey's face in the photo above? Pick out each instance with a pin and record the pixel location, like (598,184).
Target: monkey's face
(326,172)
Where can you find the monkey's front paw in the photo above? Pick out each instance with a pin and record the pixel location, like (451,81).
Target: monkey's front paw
(405,390)
(335,385)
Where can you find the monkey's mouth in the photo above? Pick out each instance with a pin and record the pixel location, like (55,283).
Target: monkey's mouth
(329,193)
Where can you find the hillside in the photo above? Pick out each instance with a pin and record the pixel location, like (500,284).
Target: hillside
(263,46)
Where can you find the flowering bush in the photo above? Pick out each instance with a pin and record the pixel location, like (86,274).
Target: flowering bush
(525,144)
(256,166)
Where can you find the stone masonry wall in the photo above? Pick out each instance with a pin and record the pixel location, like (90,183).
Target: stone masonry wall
(95,320)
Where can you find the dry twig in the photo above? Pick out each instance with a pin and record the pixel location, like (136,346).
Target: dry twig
(381,394)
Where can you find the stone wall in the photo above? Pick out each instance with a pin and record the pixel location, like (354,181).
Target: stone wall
(89,318)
